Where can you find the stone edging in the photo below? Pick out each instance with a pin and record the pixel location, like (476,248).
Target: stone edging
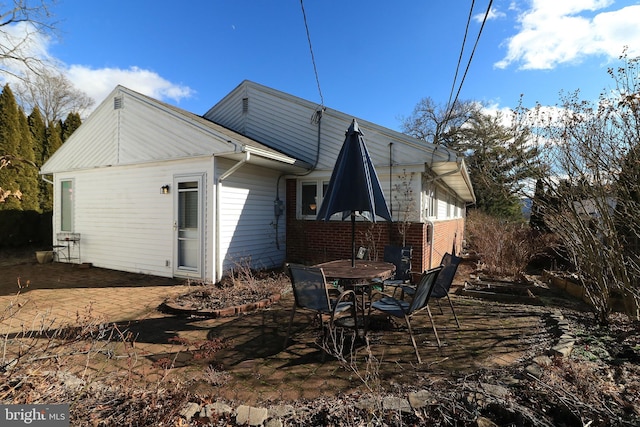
(174,308)
(276,415)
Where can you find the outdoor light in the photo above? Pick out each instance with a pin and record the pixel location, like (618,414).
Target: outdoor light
(164,189)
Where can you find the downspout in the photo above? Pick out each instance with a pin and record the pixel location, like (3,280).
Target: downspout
(391,178)
(278,208)
(46,180)
(227,174)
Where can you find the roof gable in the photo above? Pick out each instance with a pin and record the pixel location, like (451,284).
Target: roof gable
(307,131)
(290,124)
(131,128)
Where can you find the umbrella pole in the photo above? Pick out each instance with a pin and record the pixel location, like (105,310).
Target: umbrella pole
(353,239)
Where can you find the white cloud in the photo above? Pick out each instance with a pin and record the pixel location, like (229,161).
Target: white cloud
(553,32)
(493,14)
(23,40)
(99,82)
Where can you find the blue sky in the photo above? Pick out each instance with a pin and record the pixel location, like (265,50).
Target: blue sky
(375,59)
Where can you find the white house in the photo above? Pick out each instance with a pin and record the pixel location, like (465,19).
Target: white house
(151,188)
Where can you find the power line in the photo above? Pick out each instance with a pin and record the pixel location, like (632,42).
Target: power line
(313,59)
(464,42)
(484,20)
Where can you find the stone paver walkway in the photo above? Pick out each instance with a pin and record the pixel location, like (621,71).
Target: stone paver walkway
(260,368)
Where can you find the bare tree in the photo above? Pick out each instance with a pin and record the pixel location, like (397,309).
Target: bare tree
(53,94)
(24,25)
(587,195)
(10,161)
(436,124)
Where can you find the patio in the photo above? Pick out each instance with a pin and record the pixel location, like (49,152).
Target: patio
(492,335)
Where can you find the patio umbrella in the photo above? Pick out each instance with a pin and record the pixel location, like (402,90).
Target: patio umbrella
(354,186)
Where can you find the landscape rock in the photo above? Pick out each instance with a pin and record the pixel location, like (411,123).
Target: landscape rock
(534,370)
(189,410)
(249,415)
(563,348)
(280,411)
(420,399)
(274,422)
(543,361)
(217,408)
(396,404)
(367,403)
(495,390)
(485,422)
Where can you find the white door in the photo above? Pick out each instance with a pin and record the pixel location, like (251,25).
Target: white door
(188,225)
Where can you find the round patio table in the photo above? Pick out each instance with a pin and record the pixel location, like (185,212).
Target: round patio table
(359,278)
(363,272)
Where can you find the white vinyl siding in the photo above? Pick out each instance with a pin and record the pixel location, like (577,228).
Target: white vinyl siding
(290,124)
(125,221)
(440,204)
(249,232)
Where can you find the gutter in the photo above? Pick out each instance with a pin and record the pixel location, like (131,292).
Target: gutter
(227,174)
(453,172)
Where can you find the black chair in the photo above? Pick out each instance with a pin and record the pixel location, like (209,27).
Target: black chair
(441,288)
(311,293)
(403,309)
(401,258)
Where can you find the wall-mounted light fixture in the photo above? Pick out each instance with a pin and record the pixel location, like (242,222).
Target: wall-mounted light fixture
(164,189)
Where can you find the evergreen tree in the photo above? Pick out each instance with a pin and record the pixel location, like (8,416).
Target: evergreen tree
(10,140)
(500,163)
(28,178)
(71,123)
(536,221)
(53,140)
(38,132)
(498,156)
(37,129)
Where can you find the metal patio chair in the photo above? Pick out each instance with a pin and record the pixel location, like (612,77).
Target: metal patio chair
(442,286)
(402,309)
(311,292)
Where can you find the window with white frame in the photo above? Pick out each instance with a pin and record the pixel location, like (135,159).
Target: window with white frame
(431,209)
(310,197)
(66,205)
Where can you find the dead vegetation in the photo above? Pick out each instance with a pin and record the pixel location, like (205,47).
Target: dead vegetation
(95,366)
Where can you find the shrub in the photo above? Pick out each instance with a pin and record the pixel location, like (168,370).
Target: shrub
(505,247)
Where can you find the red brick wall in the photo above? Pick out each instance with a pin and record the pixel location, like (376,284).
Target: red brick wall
(312,242)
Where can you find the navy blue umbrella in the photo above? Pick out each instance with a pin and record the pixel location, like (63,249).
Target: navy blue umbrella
(354,186)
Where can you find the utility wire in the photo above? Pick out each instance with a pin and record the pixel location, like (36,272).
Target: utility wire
(486,16)
(313,59)
(464,42)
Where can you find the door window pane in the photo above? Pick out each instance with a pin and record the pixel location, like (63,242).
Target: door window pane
(188,232)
